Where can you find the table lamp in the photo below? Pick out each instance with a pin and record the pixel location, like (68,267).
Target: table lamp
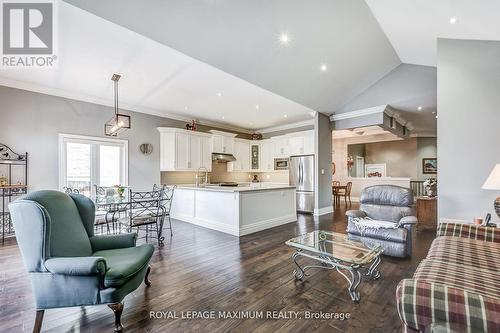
(493,183)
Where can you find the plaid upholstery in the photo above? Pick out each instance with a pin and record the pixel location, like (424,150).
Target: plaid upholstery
(421,303)
(458,282)
(465,251)
(472,231)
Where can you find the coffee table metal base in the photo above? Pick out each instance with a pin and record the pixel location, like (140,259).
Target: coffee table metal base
(352,273)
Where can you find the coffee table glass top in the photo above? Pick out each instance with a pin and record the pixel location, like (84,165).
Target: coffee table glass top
(336,246)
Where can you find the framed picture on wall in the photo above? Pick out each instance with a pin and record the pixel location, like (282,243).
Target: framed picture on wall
(429,165)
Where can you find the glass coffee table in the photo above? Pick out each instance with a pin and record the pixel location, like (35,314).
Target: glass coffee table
(352,259)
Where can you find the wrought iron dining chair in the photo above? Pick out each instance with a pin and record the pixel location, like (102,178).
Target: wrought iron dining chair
(167,195)
(108,215)
(145,213)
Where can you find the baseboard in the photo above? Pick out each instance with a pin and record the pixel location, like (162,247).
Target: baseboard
(323,211)
(262,225)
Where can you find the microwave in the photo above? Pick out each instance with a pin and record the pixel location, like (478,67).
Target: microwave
(281,163)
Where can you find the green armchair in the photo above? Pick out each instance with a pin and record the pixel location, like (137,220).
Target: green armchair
(67,264)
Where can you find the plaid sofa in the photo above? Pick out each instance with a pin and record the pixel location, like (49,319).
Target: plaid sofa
(457,283)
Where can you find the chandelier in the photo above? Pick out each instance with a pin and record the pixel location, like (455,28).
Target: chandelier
(119,122)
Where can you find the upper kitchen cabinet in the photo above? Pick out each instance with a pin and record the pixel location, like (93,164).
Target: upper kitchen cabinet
(222,142)
(267,155)
(242,155)
(281,148)
(301,143)
(182,150)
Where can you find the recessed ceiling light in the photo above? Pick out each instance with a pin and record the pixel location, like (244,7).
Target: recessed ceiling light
(219,94)
(223,117)
(185,108)
(257,106)
(323,68)
(285,116)
(420,108)
(453,20)
(436,116)
(284,38)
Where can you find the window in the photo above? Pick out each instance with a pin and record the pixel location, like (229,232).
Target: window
(86,161)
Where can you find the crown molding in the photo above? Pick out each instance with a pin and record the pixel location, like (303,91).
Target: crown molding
(286,126)
(358,113)
(36,88)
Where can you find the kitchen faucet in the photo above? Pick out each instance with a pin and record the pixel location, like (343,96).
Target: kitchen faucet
(205,178)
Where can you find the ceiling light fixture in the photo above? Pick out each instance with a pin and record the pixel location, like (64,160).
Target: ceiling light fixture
(223,117)
(284,38)
(420,108)
(285,116)
(119,122)
(323,68)
(219,94)
(257,107)
(453,20)
(185,108)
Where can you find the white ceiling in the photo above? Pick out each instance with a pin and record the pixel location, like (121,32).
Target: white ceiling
(413,26)
(156,79)
(241,37)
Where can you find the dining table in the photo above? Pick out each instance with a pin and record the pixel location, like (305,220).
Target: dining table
(112,205)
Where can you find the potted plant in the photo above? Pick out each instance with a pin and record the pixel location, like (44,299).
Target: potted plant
(120,190)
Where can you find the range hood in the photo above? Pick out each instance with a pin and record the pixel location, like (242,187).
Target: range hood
(220,157)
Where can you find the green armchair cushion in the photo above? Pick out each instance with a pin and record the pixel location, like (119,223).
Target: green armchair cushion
(76,265)
(68,236)
(124,263)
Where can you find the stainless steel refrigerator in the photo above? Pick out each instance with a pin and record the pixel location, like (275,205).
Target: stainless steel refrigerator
(301,171)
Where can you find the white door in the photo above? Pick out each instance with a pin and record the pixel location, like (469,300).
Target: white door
(217,144)
(308,144)
(267,156)
(206,153)
(181,151)
(227,145)
(244,156)
(194,152)
(296,145)
(360,166)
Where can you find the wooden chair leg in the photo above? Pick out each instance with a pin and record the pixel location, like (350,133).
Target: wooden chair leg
(147,282)
(117,309)
(38,321)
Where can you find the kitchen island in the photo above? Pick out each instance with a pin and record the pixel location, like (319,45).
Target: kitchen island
(240,210)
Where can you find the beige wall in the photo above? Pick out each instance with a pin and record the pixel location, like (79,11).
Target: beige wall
(219,174)
(403,157)
(399,156)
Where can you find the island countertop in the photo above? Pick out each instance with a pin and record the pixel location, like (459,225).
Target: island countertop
(244,187)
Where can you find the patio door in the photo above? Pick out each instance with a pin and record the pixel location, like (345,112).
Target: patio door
(87,161)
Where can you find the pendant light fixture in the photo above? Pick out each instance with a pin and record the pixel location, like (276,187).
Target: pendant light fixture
(119,122)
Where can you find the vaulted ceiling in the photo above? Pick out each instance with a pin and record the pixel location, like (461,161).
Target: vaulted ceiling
(242,38)
(285,59)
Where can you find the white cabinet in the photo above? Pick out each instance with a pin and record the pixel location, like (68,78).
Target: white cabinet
(301,143)
(222,144)
(281,147)
(242,155)
(182,150)
(267,155)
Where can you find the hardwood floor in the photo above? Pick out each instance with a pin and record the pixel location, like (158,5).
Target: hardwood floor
(204,270)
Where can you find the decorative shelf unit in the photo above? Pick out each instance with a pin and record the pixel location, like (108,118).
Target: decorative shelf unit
(13,183)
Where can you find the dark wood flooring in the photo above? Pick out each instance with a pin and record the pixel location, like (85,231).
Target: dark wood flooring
(204,270)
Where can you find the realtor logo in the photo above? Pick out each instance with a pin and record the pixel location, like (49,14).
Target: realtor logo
(28,34)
